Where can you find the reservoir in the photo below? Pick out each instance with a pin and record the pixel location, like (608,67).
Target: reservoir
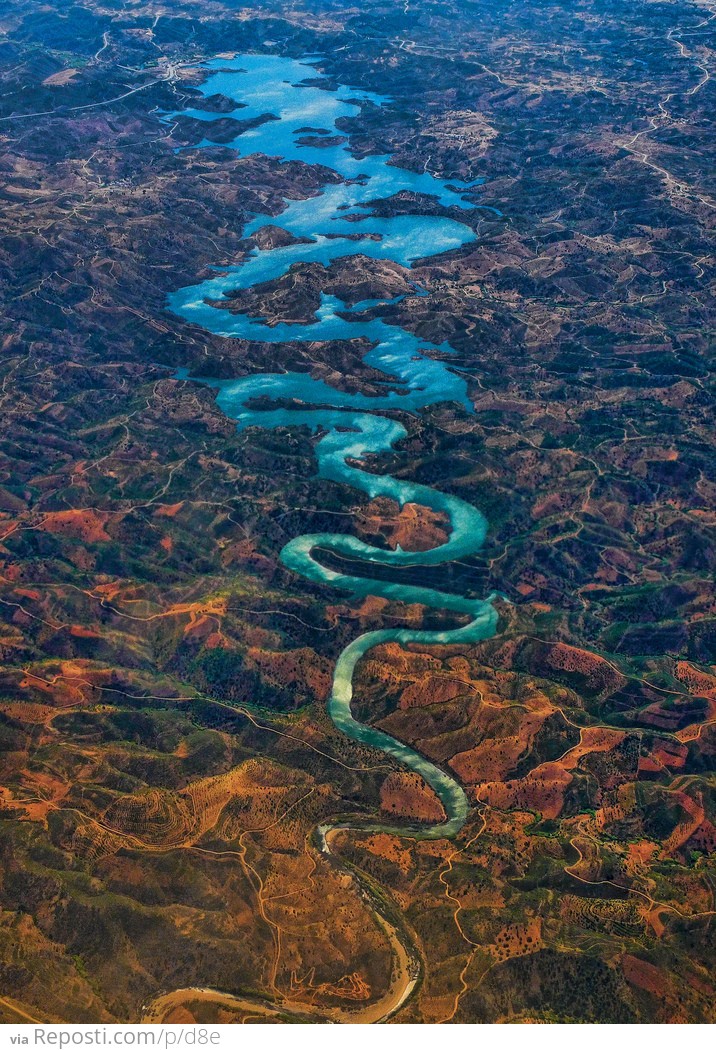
(299,107)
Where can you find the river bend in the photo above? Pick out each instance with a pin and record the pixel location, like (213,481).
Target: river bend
(299,107)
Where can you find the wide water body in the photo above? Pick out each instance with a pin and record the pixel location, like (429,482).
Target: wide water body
(352,425)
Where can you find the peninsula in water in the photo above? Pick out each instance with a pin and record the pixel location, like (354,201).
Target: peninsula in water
(357,503)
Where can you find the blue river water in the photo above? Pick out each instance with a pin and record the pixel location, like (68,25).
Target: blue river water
(302,107)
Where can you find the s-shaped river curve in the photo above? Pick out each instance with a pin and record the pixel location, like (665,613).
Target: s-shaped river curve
(339,222)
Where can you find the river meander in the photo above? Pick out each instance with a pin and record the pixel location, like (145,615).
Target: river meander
(336,223)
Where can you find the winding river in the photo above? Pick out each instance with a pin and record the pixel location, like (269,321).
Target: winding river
(300,108)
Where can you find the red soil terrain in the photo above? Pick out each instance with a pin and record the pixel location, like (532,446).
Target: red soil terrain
(411,527)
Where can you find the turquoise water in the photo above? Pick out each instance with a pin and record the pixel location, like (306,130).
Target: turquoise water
(337,223)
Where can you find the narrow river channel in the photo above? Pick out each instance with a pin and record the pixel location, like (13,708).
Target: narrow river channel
(340,222)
